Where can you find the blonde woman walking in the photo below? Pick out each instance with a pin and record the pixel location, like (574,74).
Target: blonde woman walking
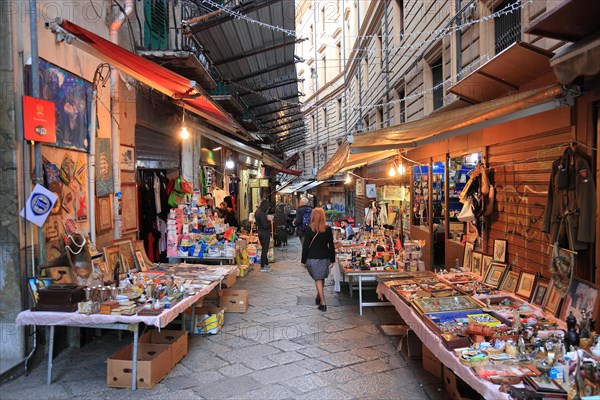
(318,253)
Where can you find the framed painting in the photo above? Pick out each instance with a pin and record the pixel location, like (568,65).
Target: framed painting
(126,255)
(34,285)
(129,203)
(476,260)
(499,250)
(581,296)
(72,97)
(113,259)
(138,247)
(495,274)
(467,255)
(509,284)
(104,218)
(525,285)
(552,301)
(127,158)
(539,293)
(486,262)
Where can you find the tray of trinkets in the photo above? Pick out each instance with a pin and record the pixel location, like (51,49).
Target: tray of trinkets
(450,326)
(452,303)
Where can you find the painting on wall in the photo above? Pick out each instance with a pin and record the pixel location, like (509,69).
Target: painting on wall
(72,97)
(104,170)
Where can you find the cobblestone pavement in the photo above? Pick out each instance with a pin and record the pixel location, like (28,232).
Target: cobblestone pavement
(282,348)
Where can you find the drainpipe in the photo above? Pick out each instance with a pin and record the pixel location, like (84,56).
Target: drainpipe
(115,112)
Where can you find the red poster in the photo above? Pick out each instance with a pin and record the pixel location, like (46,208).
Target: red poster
(39,120)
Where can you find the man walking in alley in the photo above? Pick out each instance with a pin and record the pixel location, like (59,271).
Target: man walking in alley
(302,218)
(264,234)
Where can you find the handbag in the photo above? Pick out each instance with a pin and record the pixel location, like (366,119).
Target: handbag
(467,214)
(310,244)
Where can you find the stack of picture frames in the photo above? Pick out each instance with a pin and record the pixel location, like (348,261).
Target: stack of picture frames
(129,254)
(476,262)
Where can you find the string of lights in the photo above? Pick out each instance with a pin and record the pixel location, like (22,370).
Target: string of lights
(510,8)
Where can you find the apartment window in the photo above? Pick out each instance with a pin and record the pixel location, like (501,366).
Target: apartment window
(324,153)
(400,107)
(339,110)
(303,160)
(507,27)
(325,122)
(312,36)
(339,55)
(366,70)
(366,123)
(156,29)
(437,77)
(380,120)
(314,159)
(324,68)
(312,123)
(399,19)
(379,50)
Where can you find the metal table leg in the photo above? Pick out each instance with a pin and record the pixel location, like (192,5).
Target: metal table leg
(134,358)
(50,354)
(193,321)
(360,302)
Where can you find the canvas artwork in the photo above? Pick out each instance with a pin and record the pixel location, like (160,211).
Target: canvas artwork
(476,261)
(499,250)
(581,295)
(127,159)
(104,170)
(525,285)
(509,284)
(81,206)
(72,97)
(467,255)
(539,293)
(485,264)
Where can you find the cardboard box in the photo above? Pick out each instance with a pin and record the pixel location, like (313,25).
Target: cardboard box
(234,301)
(176,340)
(414,348)
(209,320)
(154,363)
(229,280)
(431,364)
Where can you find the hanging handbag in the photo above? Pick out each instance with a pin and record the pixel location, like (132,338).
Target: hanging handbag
(467,214)
(562,261)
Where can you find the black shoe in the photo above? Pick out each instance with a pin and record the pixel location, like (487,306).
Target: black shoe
(318,300)
(322,308)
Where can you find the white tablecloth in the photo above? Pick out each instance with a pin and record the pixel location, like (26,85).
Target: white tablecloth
(488,390)
(75,319)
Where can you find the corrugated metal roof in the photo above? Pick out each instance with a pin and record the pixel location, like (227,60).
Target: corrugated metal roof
(257,64)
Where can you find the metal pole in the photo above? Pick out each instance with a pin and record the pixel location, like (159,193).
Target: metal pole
(35,92)
(387,63)
(92,170)
(316,84)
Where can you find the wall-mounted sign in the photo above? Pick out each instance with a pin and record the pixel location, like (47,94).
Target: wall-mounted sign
(39,120)
(360,187)
(253,183)
(371,190)
(264,183)
(38,206)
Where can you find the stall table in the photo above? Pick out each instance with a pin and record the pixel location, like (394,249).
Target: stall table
(365,276)
(192,260)
(432,341)
(105,321)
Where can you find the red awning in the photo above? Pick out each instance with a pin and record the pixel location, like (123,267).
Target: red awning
(151,74)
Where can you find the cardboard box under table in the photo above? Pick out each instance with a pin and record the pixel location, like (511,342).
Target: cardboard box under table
(230,279)
(209,320)
(154,363)
(234,301)
(176,340)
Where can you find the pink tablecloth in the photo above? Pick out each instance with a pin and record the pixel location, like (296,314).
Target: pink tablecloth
(434,343)
(75,319)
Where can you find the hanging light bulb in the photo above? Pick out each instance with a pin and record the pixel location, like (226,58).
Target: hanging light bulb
(401,169)
(392,171)
(229,164)
(348,179)
(184,133)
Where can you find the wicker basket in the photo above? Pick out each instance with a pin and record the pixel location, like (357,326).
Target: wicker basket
(475,363)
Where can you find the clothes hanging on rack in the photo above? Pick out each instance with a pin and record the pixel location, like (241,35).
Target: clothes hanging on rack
(571,189)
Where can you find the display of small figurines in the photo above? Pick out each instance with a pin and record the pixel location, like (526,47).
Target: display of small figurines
(516,321)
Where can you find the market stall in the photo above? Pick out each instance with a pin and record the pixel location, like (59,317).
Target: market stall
(482,326)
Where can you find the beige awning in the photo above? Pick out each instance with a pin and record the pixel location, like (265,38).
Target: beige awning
(343,160)
(457,122)
(580,59)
